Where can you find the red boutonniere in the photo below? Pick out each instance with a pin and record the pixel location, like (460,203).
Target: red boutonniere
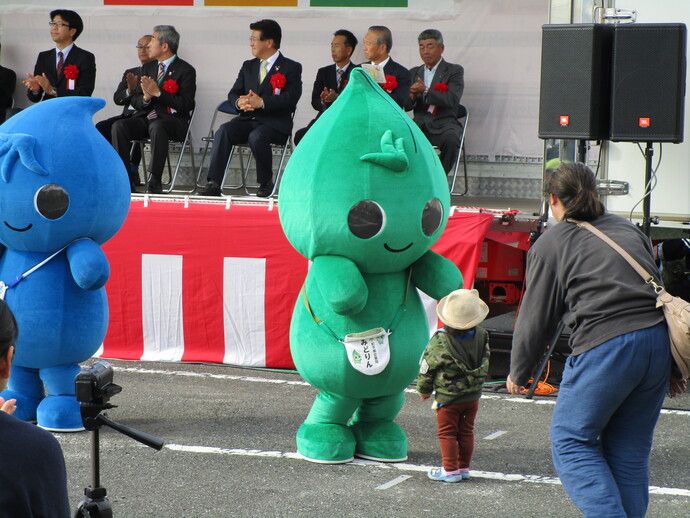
(71,72)
(438,87)
(171,86)
(343,84)
(278,81)
(390,84)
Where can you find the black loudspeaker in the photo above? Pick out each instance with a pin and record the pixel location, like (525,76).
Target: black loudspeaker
(575,73)
(648,82)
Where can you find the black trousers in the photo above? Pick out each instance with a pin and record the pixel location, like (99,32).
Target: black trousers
(160,131)
(106,129)
(257,135)
(448,143)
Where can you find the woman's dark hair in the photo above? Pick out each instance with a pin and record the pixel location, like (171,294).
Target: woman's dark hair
(576,186)
(8,329)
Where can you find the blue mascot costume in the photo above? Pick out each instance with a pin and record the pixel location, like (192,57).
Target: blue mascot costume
(63,192)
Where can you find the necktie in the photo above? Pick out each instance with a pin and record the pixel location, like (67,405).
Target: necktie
(262,72)
(339,76)
(60,64)
(161,72)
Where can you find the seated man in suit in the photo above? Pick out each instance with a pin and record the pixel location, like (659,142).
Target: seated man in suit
(265,94)
(66,69)
(8,82)
(378,42)
(434,96)
(331,79)
(122,97)
(162,101)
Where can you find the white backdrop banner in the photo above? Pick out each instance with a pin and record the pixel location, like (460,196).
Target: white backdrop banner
(498,43)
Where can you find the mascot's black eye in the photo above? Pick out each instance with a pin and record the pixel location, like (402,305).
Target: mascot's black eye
(431,217)
(366,219)
(51,201)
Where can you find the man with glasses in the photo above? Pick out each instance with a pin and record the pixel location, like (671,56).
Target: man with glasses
(331,79)
(163,101)
(265,94)
(123,97)
(66,69)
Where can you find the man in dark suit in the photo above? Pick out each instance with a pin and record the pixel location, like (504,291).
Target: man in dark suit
(434,96)
(265,94)
(162,101)
(66,69)
(331,79)
(122,97)
(377,44)
(8,82)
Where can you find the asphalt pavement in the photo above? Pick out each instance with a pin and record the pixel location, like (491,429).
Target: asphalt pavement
(230,452)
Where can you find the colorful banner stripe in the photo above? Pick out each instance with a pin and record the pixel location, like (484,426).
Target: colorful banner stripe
(358,3)
(250,3)
(189,3)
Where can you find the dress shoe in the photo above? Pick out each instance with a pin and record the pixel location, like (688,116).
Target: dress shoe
(210,189)
(265,190)
(155,186)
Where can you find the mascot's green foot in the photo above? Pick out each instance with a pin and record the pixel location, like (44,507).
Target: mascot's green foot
(383,441)
(26,405)
(60,414)
(326,443)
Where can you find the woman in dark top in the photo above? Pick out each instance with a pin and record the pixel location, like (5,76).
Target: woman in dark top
(616,378)
(33,480)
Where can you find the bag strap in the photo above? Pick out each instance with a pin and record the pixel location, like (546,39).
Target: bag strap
(646,276)
(396,318)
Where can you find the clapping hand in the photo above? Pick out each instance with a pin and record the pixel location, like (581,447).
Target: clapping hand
(150,88)
(8,406)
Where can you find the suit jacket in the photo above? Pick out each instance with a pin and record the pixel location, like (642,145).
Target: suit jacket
(84,84)
(401,94)
(8,82)
(326,78)
(182,101)
(277,110)
(446,102)
(120,96)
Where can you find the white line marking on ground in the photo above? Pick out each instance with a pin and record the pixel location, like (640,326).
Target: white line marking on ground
(503,397)
(492,436)
(403,466)
(395,481)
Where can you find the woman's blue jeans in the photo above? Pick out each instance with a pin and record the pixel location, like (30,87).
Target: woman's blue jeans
(602,427)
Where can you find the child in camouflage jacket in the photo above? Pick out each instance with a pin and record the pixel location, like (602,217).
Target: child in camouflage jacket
(454,366)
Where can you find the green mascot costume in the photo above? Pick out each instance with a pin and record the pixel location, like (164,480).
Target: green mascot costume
(364,197)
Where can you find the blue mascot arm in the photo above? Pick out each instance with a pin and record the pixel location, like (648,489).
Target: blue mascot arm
(341,284)
(88,264)
(435,275)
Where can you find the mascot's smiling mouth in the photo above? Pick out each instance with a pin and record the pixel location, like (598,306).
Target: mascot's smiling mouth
(396,250)
(18,229)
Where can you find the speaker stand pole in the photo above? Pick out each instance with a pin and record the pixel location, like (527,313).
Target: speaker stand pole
(581,151)
(646,202)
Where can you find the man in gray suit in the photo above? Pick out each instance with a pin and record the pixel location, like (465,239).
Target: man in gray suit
(435,95)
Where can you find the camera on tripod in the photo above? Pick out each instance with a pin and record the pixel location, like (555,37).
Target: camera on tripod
(94,384)
(94,387)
